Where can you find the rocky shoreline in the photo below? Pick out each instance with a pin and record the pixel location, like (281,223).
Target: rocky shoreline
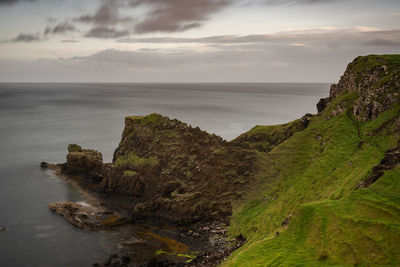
(207,242)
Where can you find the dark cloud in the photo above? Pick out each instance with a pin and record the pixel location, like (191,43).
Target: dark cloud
(158,15)
(26,38)
(107,14)
(11,2)
(294,2)
(106,32)
(176,15)
(60,28)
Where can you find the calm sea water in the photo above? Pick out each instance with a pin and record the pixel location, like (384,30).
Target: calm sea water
(38,121)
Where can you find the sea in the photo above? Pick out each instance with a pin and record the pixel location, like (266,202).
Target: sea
(39,120)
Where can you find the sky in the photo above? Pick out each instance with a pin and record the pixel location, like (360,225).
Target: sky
(191,40)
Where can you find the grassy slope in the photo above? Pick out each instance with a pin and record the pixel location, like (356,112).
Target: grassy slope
(311,177)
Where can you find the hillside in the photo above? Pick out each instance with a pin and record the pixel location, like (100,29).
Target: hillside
(329,194)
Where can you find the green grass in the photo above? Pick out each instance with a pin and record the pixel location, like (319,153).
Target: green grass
(311,178)
(74,148)
(364,64)
(264,138)
(131,160)
(129,173)
(153,119)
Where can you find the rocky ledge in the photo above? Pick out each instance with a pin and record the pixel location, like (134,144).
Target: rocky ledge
(86,216)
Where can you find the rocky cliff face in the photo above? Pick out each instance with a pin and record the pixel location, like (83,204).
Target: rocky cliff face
(179,173)
(376,80)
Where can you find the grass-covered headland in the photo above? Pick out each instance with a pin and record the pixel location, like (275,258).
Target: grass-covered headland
(329,194)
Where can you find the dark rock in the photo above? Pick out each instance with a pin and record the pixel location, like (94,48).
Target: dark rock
(286,221)
(391,160)
(152,263)
(87,162)
(3,229)
(44,164)
(305,120)
(125,259)
(322,104)
(116,263)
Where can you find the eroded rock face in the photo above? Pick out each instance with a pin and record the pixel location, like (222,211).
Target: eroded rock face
(376,79)
(390,161)
(182,174)
(185,173)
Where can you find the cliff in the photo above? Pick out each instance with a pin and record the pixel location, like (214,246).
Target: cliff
(329,193)
(375,79)
(177,173)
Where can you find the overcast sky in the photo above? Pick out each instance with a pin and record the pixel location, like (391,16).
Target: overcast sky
(191,40)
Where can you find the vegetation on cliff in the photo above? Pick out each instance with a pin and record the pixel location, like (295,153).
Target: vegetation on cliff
(311,209)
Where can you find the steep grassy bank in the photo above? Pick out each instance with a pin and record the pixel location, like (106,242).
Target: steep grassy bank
(308,208)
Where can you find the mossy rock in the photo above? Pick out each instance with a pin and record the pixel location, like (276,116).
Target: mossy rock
(74,148)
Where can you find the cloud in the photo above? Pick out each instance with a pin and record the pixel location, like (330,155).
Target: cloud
(26,38)
(60,28)
(106,32)
(157,15)
(329,36)
(107,14)
(11,2)
(240,62)
(70,41)
(298,2)
(176,15)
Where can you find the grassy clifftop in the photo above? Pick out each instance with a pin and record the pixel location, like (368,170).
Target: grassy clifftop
(308,207)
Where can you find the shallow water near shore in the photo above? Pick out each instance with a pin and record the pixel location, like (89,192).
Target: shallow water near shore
(38,121)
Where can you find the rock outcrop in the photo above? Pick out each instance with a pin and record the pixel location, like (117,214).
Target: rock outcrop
(390,161)
(87,216)
(375,79)
(264,138)
(179,173)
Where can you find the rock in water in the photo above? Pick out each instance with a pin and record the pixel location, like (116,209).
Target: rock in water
(86,216)
(3,229)
(44,164)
